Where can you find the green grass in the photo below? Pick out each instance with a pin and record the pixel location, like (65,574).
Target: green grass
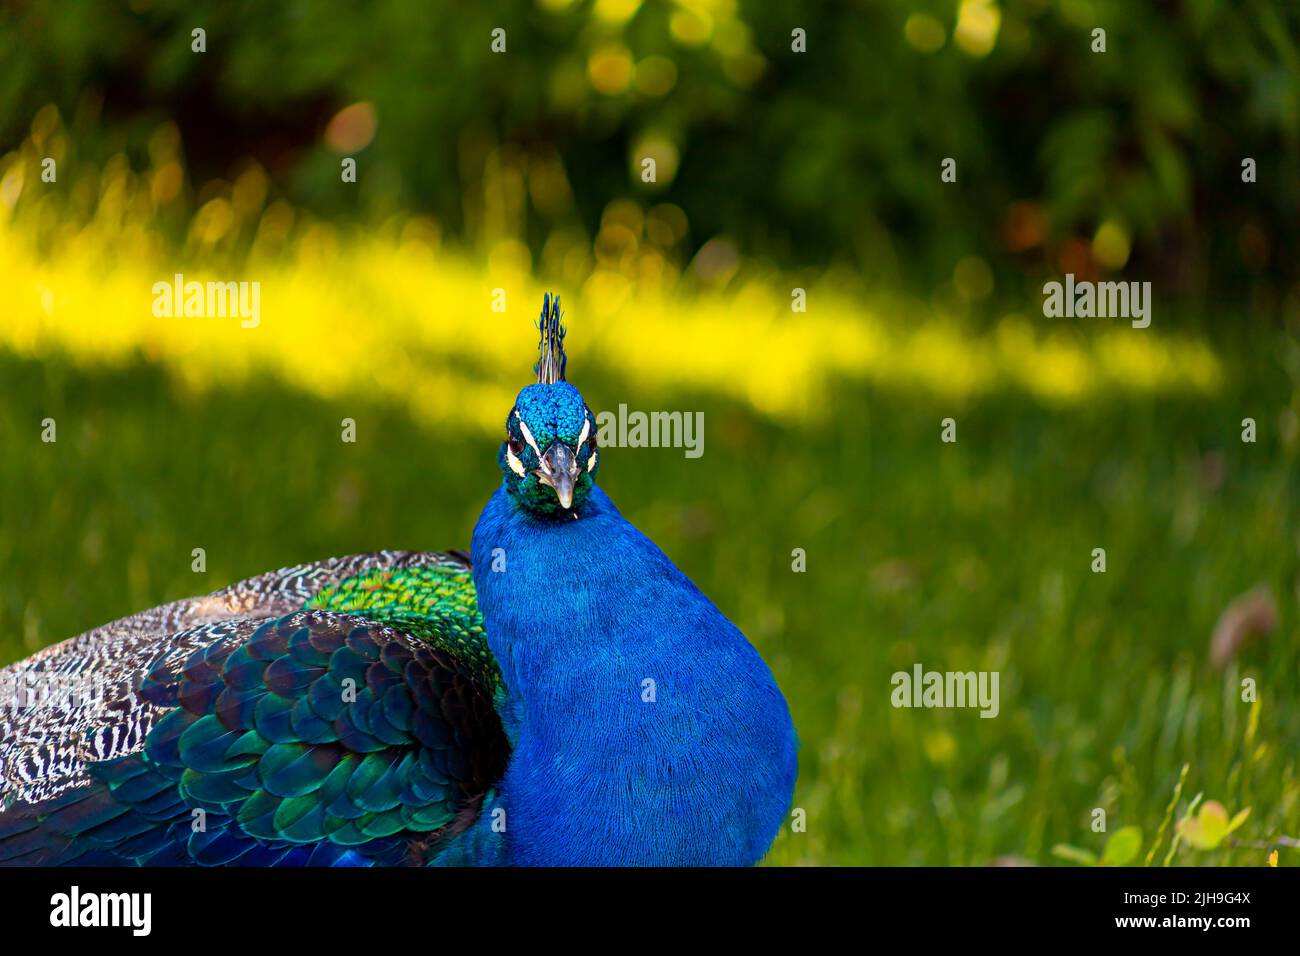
(967,556)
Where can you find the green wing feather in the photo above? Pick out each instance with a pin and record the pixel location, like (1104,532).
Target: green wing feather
(357,730)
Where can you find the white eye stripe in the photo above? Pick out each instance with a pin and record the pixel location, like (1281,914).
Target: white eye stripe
(586,430)
(513,461)
(528,436)
(591,462)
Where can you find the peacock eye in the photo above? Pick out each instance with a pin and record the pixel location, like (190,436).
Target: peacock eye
(515,445)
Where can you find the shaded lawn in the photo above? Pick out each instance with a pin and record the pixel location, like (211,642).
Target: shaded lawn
(960,557)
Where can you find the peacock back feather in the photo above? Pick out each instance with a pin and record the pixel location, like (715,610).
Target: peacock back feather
(355,728)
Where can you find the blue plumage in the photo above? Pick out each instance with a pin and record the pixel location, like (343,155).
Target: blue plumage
(697,767)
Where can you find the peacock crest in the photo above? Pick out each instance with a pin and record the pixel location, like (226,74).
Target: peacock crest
(550,349)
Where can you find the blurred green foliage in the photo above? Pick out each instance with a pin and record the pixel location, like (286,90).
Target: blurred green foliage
(829,156)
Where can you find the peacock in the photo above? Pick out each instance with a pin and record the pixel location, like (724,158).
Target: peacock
(561,695)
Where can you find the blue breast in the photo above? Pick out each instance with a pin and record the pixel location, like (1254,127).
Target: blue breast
(646,729)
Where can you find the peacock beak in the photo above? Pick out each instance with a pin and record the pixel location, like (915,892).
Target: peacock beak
(558,470)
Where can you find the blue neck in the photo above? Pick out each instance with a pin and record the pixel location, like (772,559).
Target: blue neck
(646,729)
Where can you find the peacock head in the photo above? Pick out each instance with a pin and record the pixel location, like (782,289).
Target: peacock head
(549,457)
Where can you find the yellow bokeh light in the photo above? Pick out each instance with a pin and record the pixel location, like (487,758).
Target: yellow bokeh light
(610,69)
(166,184)
(656,75)
(214,220)
(691,27)
(977,26)
(249,192)
(924,33)
(663,152)
(616,11)
(1110,246)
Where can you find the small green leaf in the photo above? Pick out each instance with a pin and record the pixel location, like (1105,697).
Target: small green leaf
(1074,854)
(1122,847)
(1211,826)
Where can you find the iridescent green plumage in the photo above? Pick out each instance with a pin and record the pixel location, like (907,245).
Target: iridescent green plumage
(433,602)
